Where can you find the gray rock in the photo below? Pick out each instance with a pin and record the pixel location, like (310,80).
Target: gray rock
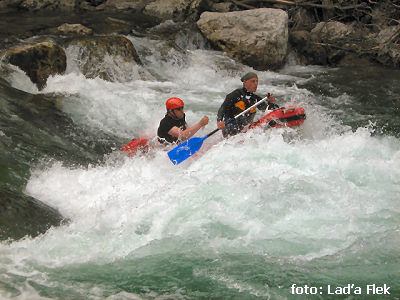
(172,9)
(33,5)
(302,19)
(258,37)
(21,216)
(331,32)
(123,4)
(309,51)
(38,60)
(388,50)
(100,56)
(8,3)
(222,7)
(74,29)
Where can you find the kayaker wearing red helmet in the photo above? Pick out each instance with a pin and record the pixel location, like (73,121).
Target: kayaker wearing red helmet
(173,127)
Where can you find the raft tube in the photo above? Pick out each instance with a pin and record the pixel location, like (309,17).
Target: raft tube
(282,117)
(136,146)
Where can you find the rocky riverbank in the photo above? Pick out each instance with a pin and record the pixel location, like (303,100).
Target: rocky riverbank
(261,34)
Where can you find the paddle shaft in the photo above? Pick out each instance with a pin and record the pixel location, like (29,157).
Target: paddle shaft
(238,115)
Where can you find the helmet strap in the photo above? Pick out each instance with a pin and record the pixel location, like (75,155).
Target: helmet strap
(172,113)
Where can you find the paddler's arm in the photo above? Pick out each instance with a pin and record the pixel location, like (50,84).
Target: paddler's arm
(188,132)
(222,110)
(220,117)
(269,104)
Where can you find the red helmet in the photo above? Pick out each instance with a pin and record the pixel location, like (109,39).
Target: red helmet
(174,103)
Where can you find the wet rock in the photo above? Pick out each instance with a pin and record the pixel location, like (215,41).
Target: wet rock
(124,4)
(308,53)
(307,50)
(327,43)
(74,29)
(301,19)
(331,32)
(118,26)
(388,50)
(176,10)
(101,56)
(21,215)
(183,35)
(258,37)
(34,5)
(4,4)
(222,7)
(38,60)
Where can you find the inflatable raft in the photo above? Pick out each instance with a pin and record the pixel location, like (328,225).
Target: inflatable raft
(281,117)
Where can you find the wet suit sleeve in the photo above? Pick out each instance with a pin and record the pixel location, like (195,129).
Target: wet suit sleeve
(221,111)
(227,106)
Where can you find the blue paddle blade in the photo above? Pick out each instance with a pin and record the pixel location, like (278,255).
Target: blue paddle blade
(185,149)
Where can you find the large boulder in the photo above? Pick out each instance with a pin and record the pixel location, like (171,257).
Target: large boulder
(104,56)
(257,37)
(176,10)
(38,60)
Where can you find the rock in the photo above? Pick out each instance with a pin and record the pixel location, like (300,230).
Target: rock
(38,60)
(118,26)
(4,4)
(222,7)
(176,10)
(352,59)
(388,50)
(309,52)
(34,5)
(74,29)
(34,217)
(331,32)
(184,35)
(124,4)
(302,19)
(100,56)
(330,42)
(257,37)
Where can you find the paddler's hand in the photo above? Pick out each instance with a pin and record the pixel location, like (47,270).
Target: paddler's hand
(221,124)
(271,98)
(204,121)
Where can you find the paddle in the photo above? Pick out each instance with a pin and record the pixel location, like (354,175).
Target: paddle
(189,147)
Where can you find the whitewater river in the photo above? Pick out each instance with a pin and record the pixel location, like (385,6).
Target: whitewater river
(264,215)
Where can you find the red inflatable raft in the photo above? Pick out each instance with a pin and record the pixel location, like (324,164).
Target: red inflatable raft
(140,144)
(281,117)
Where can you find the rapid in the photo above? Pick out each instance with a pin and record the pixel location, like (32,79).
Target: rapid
(245,219)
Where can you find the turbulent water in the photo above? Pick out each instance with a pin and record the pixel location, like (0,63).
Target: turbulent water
(251,217)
